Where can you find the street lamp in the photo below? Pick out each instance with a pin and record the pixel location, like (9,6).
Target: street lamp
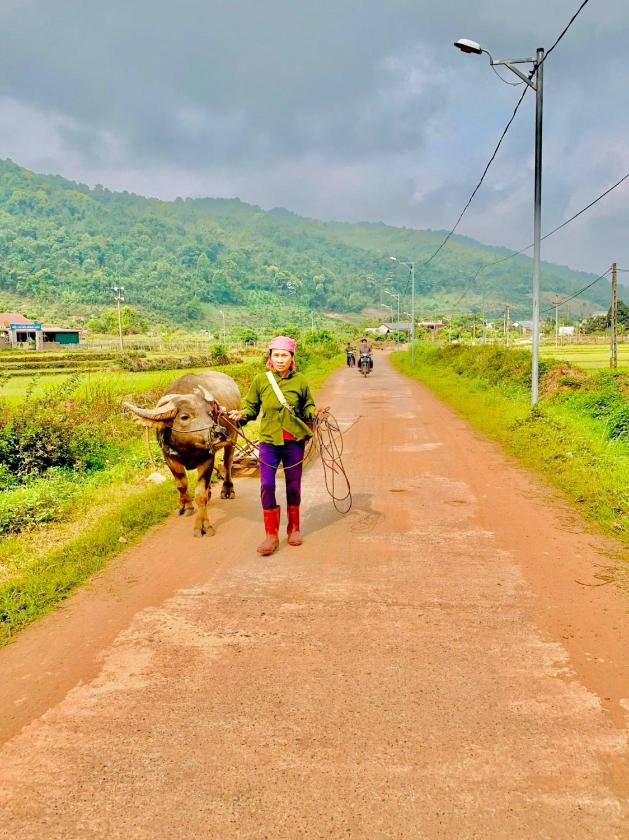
(467,46)
(119,298)
(411,267)
(395,295)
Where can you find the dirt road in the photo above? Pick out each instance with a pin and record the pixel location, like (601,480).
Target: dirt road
(426,667)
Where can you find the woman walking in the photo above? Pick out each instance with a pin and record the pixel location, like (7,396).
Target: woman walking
(287,414)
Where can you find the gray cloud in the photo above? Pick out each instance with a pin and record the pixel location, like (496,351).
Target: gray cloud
(352,109)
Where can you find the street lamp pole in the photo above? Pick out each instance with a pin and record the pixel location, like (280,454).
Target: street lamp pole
(119,298)
(468,46)
(411,268)
(397,296)
(222,314)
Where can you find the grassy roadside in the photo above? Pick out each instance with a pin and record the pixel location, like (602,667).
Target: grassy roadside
(576,438)
(40,566)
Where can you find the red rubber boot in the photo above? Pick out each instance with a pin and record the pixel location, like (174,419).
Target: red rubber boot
(272,526)
(292,529)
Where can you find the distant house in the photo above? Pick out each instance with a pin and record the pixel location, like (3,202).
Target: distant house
(431,325)
(525,326)
(566,330)
(400,326)
(404,327)
(18,331)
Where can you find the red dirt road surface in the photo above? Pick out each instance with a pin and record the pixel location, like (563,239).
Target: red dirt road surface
(425,667)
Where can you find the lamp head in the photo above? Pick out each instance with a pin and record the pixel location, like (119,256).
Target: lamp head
(393,259)
(467,46)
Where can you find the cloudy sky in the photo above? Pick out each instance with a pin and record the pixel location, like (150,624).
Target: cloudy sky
(336,109)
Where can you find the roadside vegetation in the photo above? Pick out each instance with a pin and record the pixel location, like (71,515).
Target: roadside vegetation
(577,436)
(73,469)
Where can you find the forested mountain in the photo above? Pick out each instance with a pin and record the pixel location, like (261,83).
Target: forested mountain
(62,241)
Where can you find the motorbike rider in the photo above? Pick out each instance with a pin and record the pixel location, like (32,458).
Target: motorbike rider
(365,349)
(350,355)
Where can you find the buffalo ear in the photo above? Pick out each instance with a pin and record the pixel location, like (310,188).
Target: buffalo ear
(214,406)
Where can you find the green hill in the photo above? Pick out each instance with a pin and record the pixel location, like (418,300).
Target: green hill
(64,245)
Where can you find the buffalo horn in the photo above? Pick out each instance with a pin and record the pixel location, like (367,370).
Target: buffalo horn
(163,412)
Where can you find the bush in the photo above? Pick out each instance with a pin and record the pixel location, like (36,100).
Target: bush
(599,396)
(45,500)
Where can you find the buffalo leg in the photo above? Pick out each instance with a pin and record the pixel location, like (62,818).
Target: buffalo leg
(202,496)
(186,506)
(228,485)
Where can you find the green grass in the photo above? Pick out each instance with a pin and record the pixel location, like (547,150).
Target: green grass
(589,356)
(34,586)
(566,438)
(39,567)
(119,382)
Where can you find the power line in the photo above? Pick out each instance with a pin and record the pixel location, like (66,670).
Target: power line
(576,294)
(482,178)
(554,230)
(506,129)
(563,32)
(506,81)
(502,137)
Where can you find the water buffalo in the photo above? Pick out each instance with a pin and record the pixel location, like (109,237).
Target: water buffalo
(190,430)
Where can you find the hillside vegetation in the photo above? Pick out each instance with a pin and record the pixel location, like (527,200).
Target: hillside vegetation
(64,244)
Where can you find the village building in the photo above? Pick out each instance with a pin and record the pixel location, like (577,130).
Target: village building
(19,332)
(404,327)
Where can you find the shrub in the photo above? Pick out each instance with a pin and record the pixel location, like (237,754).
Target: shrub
(41,501)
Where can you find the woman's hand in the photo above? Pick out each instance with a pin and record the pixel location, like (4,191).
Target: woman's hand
(321,413)
(234,415)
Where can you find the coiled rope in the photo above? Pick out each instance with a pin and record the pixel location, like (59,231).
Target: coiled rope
(327,442)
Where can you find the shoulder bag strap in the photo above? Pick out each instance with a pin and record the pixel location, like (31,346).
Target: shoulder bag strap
(276,388)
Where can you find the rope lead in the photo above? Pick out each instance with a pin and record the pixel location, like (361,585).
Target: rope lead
(327,440)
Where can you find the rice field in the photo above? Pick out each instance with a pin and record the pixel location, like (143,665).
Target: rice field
(589,356)
(117,382)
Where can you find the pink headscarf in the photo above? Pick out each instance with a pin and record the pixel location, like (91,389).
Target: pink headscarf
(282,342)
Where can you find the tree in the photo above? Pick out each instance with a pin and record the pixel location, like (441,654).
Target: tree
(132,322)
(622,311)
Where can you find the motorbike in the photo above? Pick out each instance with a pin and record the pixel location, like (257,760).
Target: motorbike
(351,359)
(364,364)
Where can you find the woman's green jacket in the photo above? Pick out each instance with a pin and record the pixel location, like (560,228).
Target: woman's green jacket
(261,399)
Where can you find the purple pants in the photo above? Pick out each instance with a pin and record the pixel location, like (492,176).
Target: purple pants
(289,454)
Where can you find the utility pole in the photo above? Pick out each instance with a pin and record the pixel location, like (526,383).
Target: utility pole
(556,305)
(507,323)
(411,268)
(222,314)
(613,355)
(537,221)
(412,314)
(119,298)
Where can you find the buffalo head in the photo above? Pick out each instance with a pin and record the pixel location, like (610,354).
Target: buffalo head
(190,421)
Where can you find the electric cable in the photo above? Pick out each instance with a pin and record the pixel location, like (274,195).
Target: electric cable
(479,184)
(554,230)
(502,136)
(506,81)
(562,33)
(576,294)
